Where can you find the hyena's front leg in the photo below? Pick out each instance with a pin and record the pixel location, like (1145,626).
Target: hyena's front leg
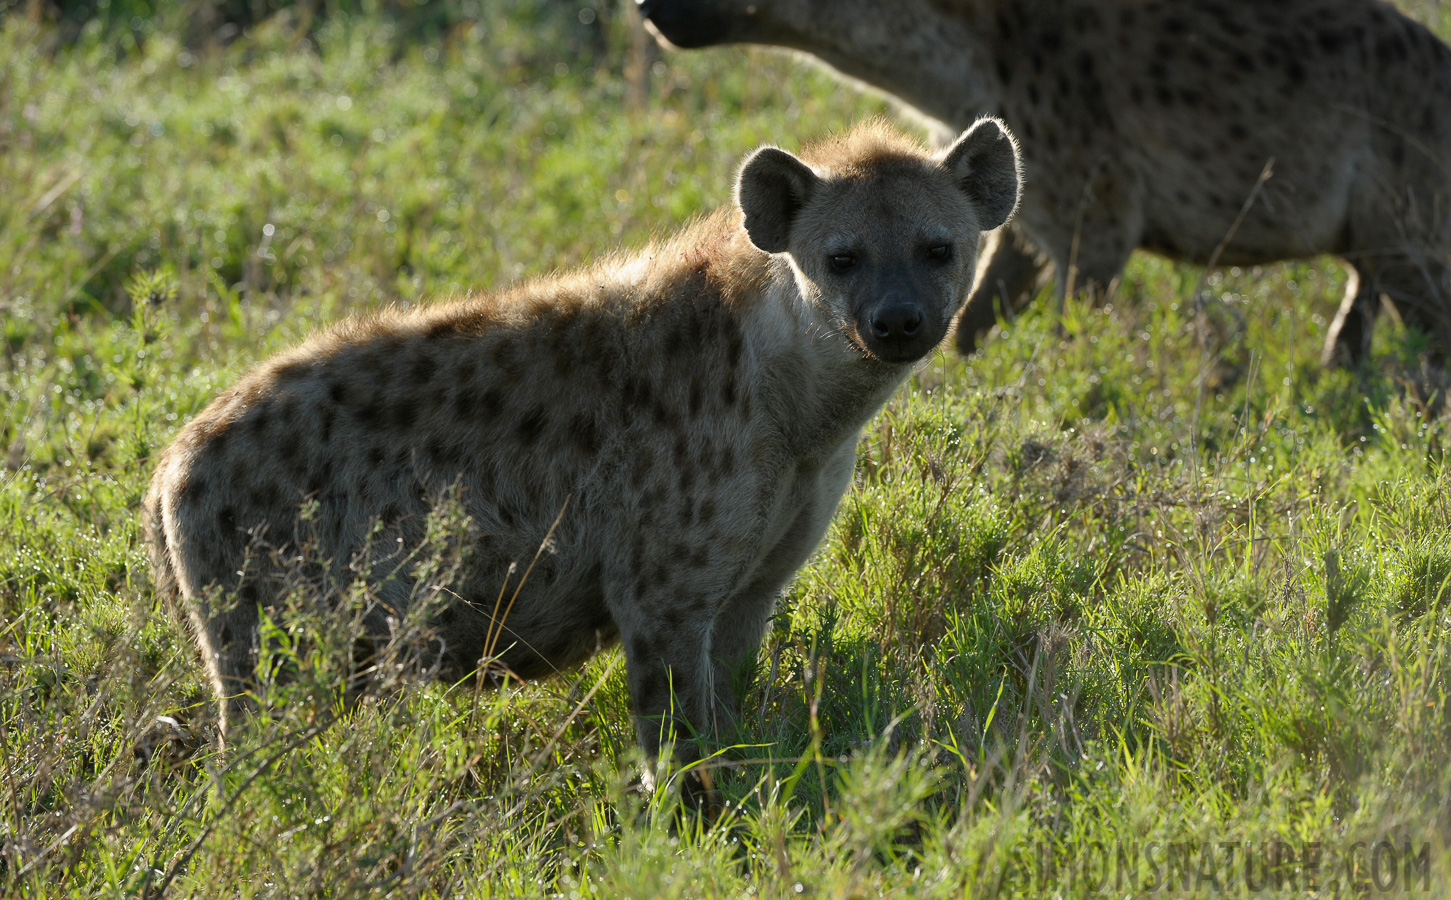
(667,659)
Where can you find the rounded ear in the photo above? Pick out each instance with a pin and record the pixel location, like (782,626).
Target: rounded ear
(772,188)
(985,164)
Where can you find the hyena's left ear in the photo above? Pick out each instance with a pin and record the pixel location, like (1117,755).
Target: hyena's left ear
(772,188)
(985,164)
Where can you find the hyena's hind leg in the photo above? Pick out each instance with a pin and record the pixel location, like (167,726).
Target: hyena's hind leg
(1010,271)
(227,625)
(1347,343)
(1418,286)
(224,623)
(1420,290)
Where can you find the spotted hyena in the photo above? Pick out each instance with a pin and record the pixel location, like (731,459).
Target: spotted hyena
(685,419)
(1148,123)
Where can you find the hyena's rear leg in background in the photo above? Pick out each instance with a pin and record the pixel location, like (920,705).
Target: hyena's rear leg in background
(1417,285)
(1348,340)
(1010,274)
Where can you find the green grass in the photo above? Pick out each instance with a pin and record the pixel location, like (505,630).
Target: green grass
(1158,587)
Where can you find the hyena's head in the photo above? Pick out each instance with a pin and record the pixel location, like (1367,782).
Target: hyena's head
(883,236)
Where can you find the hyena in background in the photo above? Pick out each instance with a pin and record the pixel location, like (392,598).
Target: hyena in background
(685,419)
(1148,123)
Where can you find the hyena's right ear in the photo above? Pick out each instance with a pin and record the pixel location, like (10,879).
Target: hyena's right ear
(772,188)
(986,164)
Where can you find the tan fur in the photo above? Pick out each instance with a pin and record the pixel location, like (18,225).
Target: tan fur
(1147,123)
(693,410)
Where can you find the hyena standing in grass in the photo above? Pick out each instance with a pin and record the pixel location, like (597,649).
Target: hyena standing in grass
(684,419)
(1148,123)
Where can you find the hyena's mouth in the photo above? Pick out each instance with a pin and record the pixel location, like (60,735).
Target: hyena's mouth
(851,333)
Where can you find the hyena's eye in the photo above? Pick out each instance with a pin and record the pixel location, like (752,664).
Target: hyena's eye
(941,251)
(842,261)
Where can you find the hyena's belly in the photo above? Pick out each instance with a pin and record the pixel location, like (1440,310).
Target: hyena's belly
(555,620)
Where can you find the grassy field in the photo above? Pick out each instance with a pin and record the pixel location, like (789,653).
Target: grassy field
(1154,606)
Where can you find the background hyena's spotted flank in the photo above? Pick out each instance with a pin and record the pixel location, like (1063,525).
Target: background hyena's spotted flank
(693,411)
(1148,123)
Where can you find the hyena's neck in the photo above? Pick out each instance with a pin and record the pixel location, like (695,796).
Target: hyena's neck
(913,50)
(818,390)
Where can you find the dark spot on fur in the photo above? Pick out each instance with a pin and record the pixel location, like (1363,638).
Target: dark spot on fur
(257,423)
(319,477)
(443,453)
(473,405)
(294,371)
(503,356)
(1005,72)
(735,346)
(1295,71)
(1051,39)
(1007,26)
(531,424)
(1330,42)
(585,433)
(642,648)
(664,415)
(375,456)
(227,518)
(289,447)
(370,414)
(424,365)
(648,500)
(674,344)
(728,392)
(707,511)
(405,413)
(193,489)
(440,330)
(509,514)
(640,471)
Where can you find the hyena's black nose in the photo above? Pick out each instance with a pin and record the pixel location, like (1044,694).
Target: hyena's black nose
(896,321)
